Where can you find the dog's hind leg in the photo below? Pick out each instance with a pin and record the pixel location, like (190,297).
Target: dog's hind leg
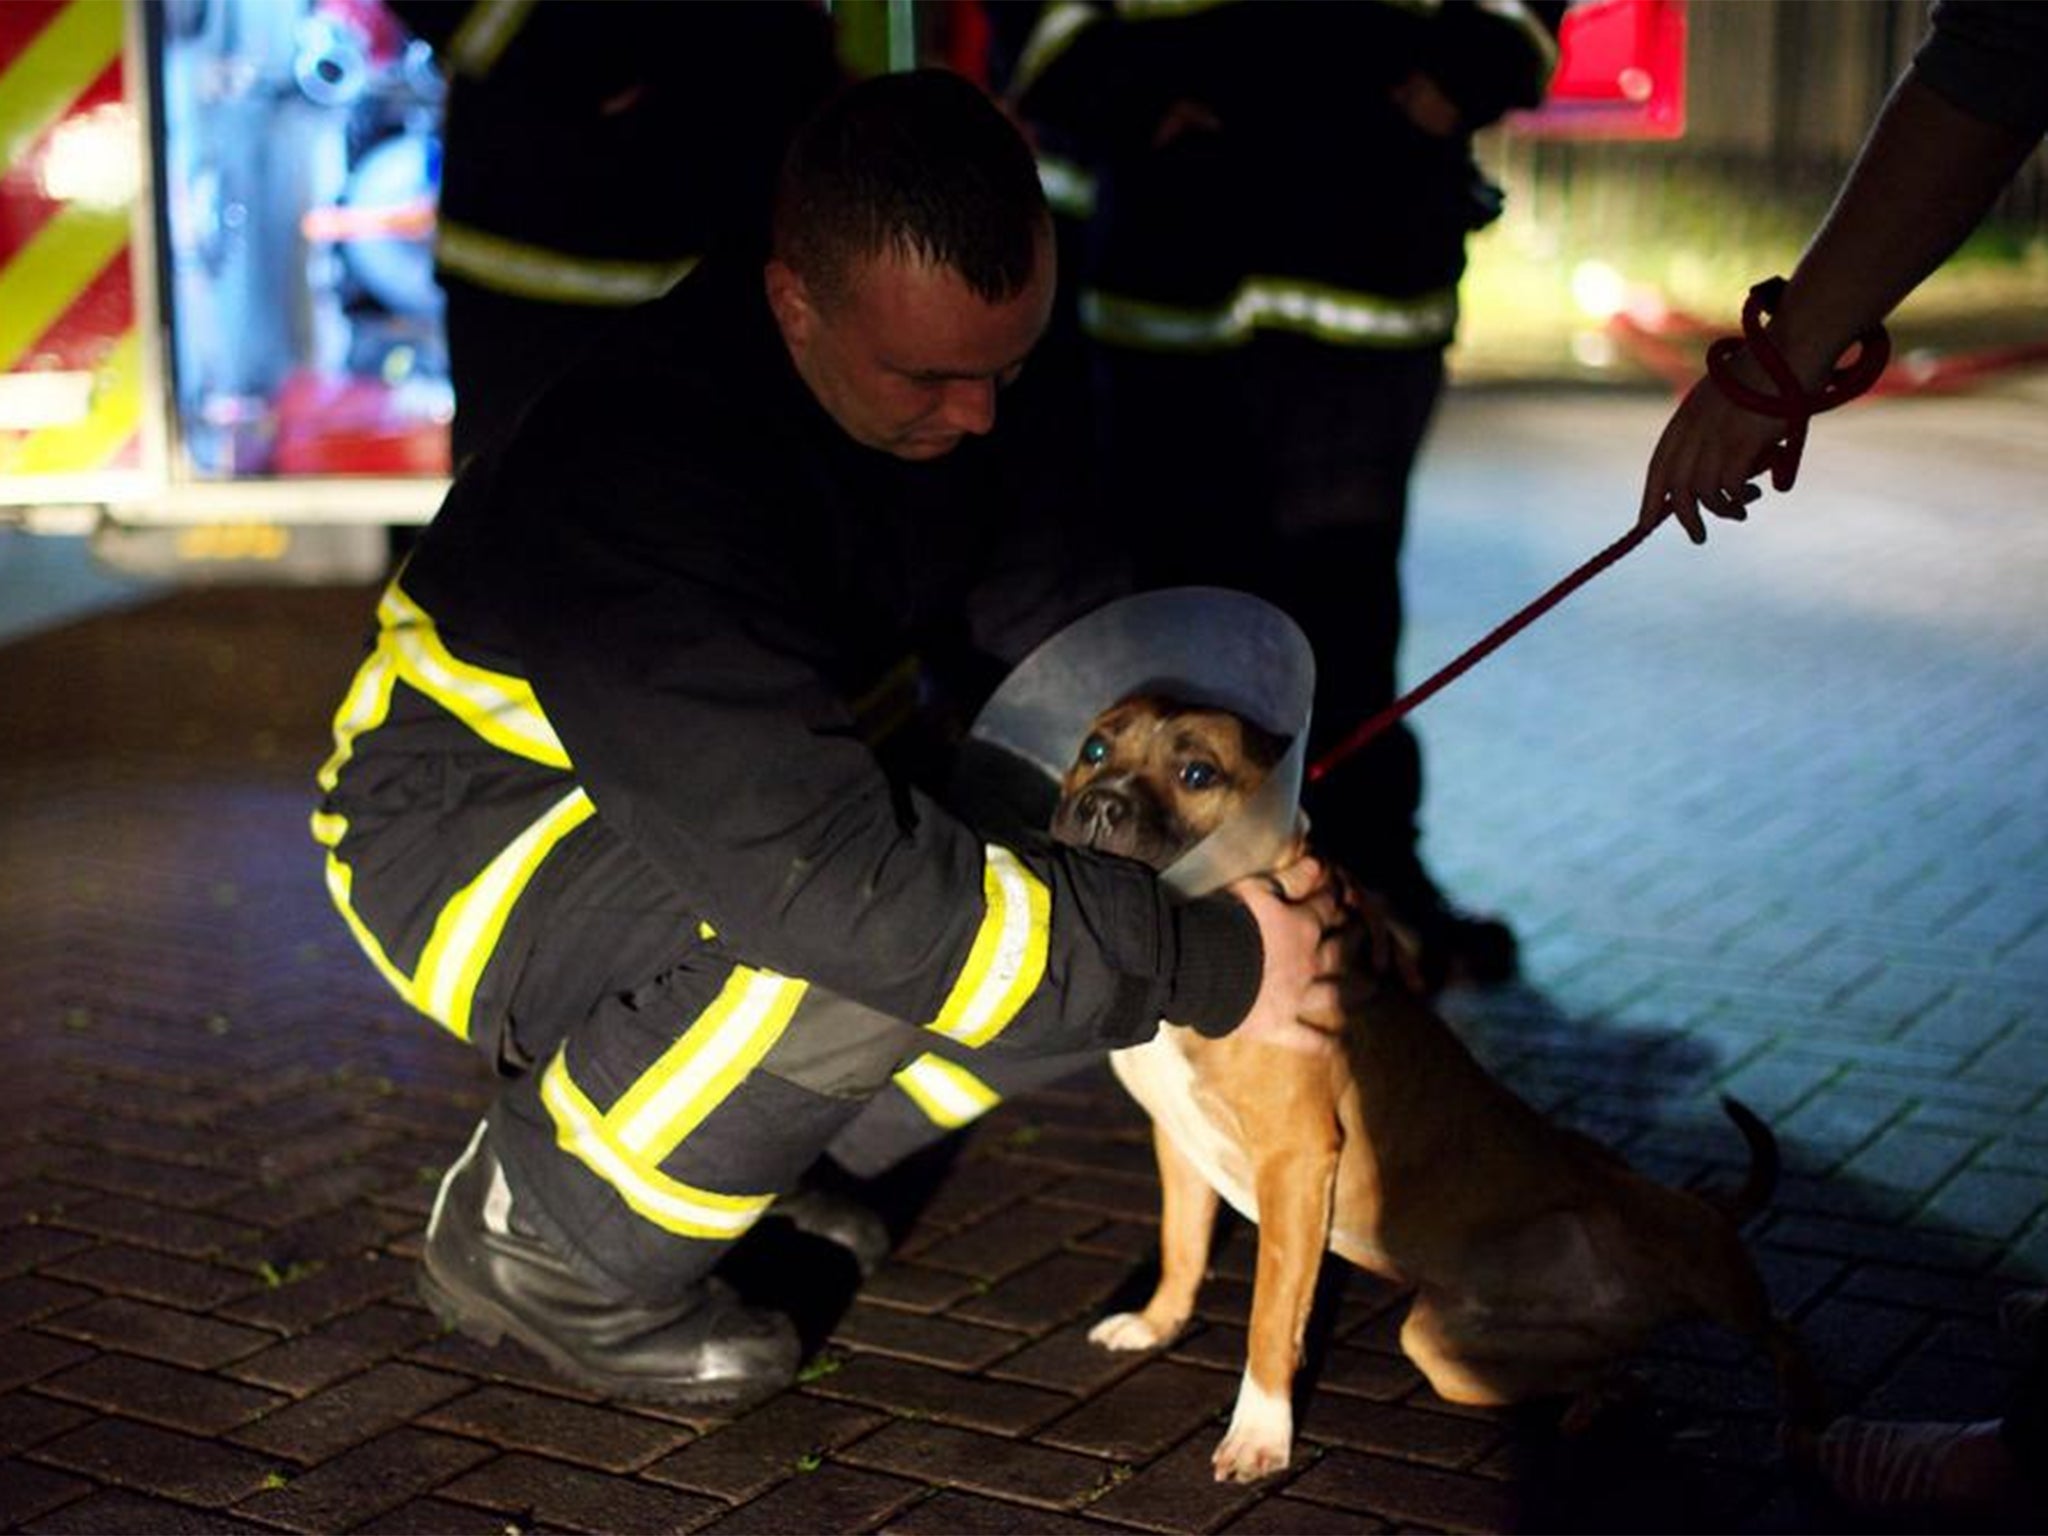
(1187,1221)
(1295,1185)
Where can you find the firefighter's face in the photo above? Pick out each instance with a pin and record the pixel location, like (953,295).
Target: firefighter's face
(909,359)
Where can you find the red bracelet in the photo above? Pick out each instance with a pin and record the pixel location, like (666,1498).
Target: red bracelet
(1791,404)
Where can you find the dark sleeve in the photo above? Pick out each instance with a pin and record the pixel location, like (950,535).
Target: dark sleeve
(1990,58)
(1492,59)
(683,678)
(1085,74)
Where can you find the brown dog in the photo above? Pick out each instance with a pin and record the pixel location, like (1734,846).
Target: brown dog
(1539,1259)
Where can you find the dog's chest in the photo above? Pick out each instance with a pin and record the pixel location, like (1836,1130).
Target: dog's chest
(1159,1075)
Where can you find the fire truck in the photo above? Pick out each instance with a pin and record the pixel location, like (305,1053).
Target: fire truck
(220,336)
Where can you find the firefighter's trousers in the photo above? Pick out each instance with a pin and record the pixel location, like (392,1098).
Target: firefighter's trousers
(656,1097)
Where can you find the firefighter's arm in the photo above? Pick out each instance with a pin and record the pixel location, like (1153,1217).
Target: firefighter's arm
(1081,72)
(1490,59)
(684,683)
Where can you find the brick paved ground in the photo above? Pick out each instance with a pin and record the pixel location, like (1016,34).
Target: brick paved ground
(1771,817)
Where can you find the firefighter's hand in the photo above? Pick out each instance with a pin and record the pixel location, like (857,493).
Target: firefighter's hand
(1709,452)
(1301,922)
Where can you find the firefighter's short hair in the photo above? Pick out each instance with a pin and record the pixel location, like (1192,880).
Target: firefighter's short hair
(921,163)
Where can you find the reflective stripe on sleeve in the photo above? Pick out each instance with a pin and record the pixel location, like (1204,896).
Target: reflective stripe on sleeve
(947,1093)
(1266,303)
(694,1076)
(560,277)
(586,1134)
(484,34)
(1007,961)
(1057,27)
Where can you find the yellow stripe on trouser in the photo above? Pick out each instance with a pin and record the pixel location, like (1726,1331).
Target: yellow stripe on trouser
(1007,961)
(558,277)
(587,1134)
(694,1076)
(502,710)
(499,707)
(947,1093)
(109,425)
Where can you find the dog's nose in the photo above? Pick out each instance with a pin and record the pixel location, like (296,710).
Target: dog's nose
(1102,808)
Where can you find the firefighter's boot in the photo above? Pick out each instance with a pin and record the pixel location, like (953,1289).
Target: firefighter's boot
(487,1273)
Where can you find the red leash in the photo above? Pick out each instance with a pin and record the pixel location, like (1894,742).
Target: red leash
(1792,404)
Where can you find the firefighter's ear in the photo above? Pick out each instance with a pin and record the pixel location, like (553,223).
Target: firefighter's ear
(789,300)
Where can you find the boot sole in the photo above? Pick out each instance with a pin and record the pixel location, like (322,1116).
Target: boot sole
(488,1324)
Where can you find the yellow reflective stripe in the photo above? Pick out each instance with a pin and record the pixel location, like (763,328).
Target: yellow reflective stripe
(110,422)
(1007,961)
(499,707)
(1069,188)
(670,1204)
(1266,303)
(1157,10)
(948,1093)
(469,927)
(1056,28)
(443,985)
(362,708)
(694,1076)
(536,272)
(484,34)
(71,51)
(340,883)
(49,273)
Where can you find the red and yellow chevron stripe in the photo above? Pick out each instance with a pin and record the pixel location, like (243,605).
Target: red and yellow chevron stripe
(70,348)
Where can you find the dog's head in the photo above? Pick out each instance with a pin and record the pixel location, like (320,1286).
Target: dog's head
(1156,775)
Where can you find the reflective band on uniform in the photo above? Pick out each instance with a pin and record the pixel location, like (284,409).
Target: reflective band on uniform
(1007,961)
(485,33)
(499,707)
(670,1204)
(1266,303)
(1069,188)
(467,931)
(1057,26)
(536,272)
(469,927)
(502,710)
(949,1094)
(694,1076)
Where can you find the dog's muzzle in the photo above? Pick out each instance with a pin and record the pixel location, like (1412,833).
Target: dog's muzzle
(1118,818)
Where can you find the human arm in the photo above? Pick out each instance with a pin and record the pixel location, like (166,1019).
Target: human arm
(1927,174)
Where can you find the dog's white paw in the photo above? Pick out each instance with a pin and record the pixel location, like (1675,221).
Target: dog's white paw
(1260,1440)
(1128,1330)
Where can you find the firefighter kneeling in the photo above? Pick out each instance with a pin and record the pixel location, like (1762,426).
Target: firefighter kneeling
(632,790)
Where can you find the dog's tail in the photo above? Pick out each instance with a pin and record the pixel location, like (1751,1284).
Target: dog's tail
(1761,1182)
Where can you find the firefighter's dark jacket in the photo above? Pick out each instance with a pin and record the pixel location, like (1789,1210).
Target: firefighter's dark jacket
(591,143)
(672,605)
(1305,169)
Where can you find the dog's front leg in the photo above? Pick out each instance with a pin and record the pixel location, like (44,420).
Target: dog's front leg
(1187,1221)
(1297,1175)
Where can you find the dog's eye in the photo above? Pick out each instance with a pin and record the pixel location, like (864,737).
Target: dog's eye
(1199,775)
(1094,750)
